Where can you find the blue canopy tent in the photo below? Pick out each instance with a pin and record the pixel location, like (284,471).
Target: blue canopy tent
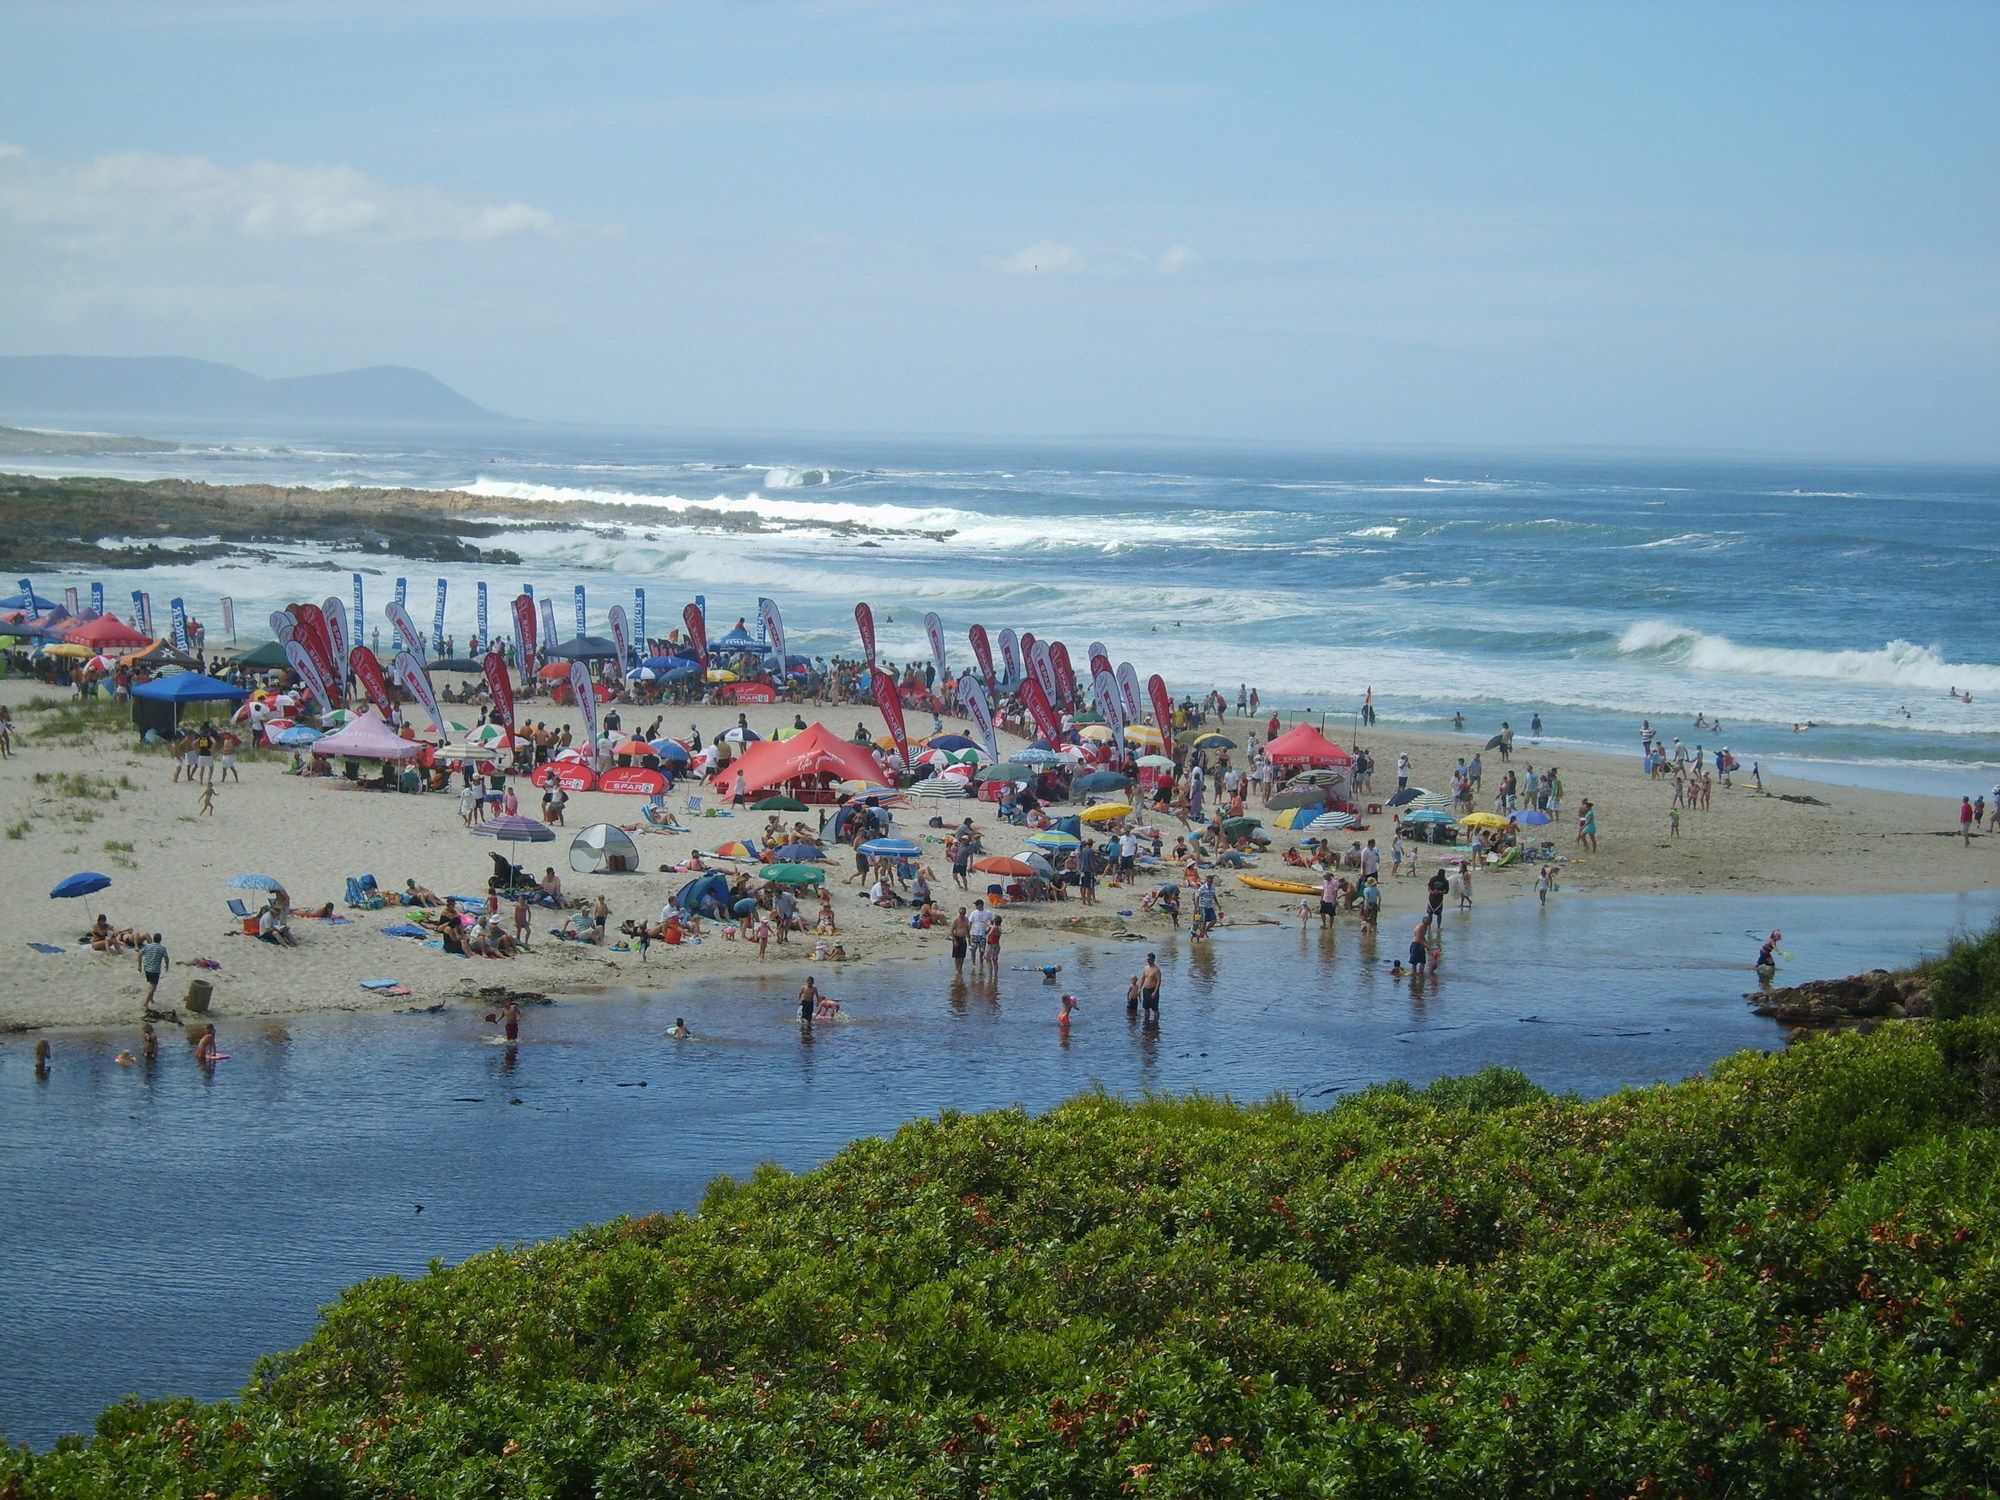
(737,641)
(158,704)
(29,600)
(854,810)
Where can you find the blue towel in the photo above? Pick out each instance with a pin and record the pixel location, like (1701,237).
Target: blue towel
(403,929)
(380,984)
(46,948)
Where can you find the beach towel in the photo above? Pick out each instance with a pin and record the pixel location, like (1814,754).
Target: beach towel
(46,948)
(380,984)
(403,930)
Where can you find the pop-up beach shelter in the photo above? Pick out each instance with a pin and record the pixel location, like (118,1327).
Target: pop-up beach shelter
(603,849)
(158,704)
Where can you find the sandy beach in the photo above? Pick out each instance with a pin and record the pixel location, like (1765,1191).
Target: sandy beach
(103,803)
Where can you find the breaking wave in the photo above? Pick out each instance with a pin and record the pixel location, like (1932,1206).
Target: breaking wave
(1899,664)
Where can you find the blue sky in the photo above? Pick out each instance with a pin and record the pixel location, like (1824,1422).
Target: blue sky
(1769,227)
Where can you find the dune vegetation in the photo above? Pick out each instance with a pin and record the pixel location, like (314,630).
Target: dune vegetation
(1778,1279)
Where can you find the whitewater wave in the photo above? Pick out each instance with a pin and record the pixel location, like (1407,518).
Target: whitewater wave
(1899,664)
(781,478)
(1376,531)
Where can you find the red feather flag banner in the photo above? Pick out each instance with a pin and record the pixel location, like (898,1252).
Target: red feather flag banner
(982,651)
(1065,674)
(526,649)
(1163,713)
(1047,724)
(884,688)
(697,628)
(864,621)
(368,672)
(497,684)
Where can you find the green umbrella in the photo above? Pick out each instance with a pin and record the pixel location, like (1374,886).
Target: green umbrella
(1235,826)
(793,875)
(1006,770)
(778,804)
(1086,718)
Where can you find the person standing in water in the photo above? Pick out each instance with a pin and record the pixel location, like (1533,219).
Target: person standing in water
(808,1001)
(1150,980)
(510,1022)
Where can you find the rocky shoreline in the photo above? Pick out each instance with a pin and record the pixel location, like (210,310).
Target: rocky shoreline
(1859,999)
(121,524)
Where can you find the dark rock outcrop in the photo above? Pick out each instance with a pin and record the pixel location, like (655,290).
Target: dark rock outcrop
(1875,996)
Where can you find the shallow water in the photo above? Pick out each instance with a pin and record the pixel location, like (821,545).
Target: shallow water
(161,1228)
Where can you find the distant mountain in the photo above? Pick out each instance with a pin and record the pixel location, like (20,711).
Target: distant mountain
(68,387)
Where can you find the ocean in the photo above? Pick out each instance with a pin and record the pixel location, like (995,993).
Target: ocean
(1592,590)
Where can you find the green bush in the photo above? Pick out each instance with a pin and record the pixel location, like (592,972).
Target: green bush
(1966,981)
(1753,1283)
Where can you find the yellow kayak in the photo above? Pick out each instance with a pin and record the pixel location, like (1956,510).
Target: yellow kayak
(1289,887)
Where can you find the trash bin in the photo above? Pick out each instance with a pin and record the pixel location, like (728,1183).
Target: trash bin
(198,995)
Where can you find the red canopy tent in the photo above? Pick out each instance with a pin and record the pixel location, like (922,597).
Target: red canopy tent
(813,751)
(107,633)
(1303,745)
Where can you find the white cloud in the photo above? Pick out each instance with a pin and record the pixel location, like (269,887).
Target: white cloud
(135,194)
(1106,262)
(8,148)
(1043,258)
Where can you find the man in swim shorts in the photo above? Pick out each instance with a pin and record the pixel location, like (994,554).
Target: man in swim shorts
(1149,988)
(961,931)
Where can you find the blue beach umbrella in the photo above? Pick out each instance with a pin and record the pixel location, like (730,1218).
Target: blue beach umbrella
(81,884)
(668,750)
(298,736)
(1102,781)
(1531,817)
(255,883)
(801,854)
(1054,838)
(1430,815)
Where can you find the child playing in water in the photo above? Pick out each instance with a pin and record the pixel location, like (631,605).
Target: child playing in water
(1068,1010)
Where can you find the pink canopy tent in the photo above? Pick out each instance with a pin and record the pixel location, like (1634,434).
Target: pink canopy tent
(1303,745)
(366,737)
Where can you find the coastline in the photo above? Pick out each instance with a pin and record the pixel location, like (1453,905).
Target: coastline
(170,869)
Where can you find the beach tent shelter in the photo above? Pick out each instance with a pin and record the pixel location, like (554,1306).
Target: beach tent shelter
(107,634)
(814,752)
(366,737)
(705,895)
(263,658)
(1303,745)
(159,704)
(603,849)
(30,600)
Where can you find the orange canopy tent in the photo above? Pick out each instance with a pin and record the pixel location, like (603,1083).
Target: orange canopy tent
(1303,745)
(813,751)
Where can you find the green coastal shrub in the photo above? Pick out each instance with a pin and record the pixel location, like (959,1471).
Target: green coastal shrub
(1780,1279)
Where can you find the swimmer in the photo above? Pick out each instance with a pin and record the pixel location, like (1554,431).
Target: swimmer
(205,1050)
(808,999)
(680,1032)
(828,1009)
(1068,1010)
(1132,997)
(149,1043)
(1767,956)
(510,1018)
(42,1058)
(1397,971)
(125,1059)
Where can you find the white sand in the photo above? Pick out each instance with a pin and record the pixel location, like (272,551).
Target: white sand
(311,834)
